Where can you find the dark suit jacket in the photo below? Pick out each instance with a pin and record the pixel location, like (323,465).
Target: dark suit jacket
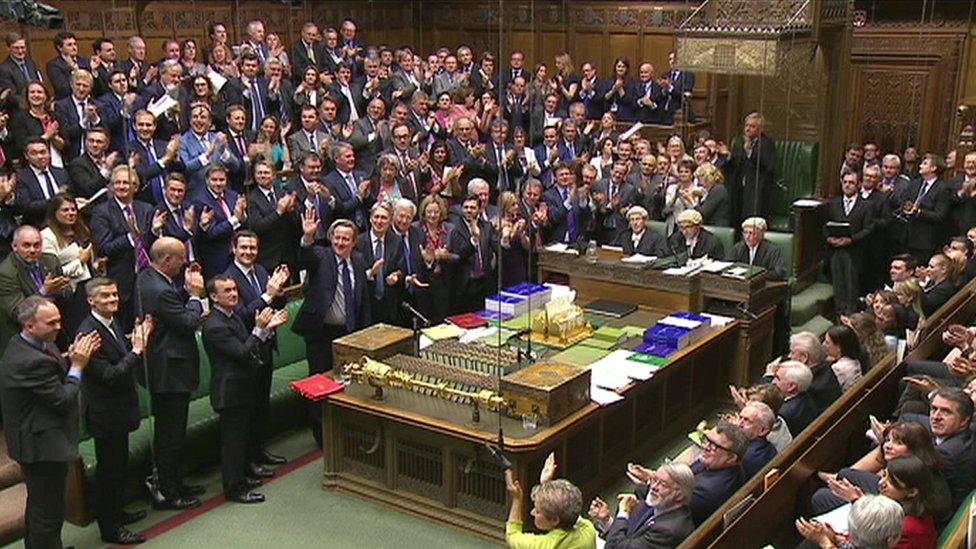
(174,226)
(559,215)
(238,173)
(16,284)
(651,243)
(593,100)
(299,58)
(759,452)
(86,179)
(348,205)
(234,354)
(174,360)
(270,102)
(368,149)
(151,190)
(937,296)
(715,209)
(860,219)
(798,412)
(11,77)
(110,107)
(110,232)
(279,234)
(250,300)
(386,309)
(825,389)
(706,244)
(473,166)
(320,288)
(712,489)
(69,125)
(609,217)
(460,244)
(343,112)
(663,530)
(501,176)
(166,124)
(751,177)
(109,401)
(30,198)
(40,403)
(59,73)
(213,243)
(958,472)
(768,256)
(927,229)
(645,113)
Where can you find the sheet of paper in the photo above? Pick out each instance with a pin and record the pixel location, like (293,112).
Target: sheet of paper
(716,266)
(612,248)
(719,320)
(216,80)
(603,397)
(477,333)
(442,331)
(687,270)
(162,105)
(836,519)
(557,247)
(638,258)
(806,203)
(425,341)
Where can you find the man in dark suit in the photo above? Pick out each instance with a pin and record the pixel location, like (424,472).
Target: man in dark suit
(60,69)
(714,205)
(756,419)
(569,207)
(692,241)
(336,297)
(414,167)
(847,251)
(123,230)
(613,196)
(382,250)
(39,395)
(475,241)
(516,105)
(637,239)
(312,193)
(487,212)
(256,290)
(466,151)
(170,122)
(805,347)
(18,69)
(751,170)
(76,114)
(260,96)
(501,168)
(348,94)
(927,201)
(39,182)
(754,249)
(24,273)
(239,138)
(349,186)
(116,108)
(950,414)
(102,64)
(799,409)
(220,212)
(236,357)
(110,406)
(416,274)
(370,135)
(650,98)
(550,154)
(155,158)
(679,83)
(661,519)
(180,216)
(174,365)
(307,51)
(89,172)
(8,211)
(592,90)
(135,66)
(273,215)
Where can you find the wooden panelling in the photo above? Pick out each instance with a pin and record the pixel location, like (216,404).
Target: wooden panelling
(624,45)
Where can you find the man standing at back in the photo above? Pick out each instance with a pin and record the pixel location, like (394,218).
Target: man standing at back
(39,393)
(174,363)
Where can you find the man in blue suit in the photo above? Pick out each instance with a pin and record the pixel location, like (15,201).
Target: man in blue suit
(549,154)
(350,187)
(116,109)
(155,158)
(201,147)
(220,212)
(336,297)
(77,113)
(124,230)
(256,290)
(39,182)
(60,68)
(569,207)
(259,96)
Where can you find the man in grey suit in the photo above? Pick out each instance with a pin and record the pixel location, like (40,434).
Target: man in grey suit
(662,519)
(39,394)
(309,138)
(450,80)
(24,273)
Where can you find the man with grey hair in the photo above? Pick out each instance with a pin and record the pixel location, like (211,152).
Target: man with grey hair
(39,395)
(416,276)
(874,522)
(255,39)
(754,249)
(799,409)
(349,186)
(662,519)
(806,347)
(482,189)
(24,273)
(756,419)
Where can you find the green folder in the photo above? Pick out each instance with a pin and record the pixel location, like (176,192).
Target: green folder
(649,359)
(598,343)
(517,323)
(580,355)
(609,334)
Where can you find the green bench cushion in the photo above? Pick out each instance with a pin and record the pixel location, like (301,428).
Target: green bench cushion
(794,176)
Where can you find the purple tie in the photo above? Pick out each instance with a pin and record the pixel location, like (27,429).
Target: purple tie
(142,258)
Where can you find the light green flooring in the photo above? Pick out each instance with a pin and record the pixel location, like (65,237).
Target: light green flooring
(299,513)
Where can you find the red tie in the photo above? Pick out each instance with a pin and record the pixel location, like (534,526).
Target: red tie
(223,207)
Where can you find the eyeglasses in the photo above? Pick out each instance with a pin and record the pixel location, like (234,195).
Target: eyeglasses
(708,444)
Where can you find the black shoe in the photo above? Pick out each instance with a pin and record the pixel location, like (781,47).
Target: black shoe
(267,458)
(178,504)
(129,518)
(123,536)
(252,482)
(192,490)
(152,486)
(246,497)
(257,471)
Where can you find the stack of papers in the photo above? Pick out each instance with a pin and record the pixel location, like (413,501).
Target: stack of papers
(686,270)
(716,266)
(639,259)
(604,397)
(442,331)
(477,333)
(561,248)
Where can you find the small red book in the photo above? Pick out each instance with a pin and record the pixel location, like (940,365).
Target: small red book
(317,387)
(467,320)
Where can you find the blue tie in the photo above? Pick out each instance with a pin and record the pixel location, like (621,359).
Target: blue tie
(258,107)
(380,282)
(350,296)
(156,182)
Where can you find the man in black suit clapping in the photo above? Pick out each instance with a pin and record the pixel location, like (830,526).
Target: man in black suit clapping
(39,394)
(110,406)
(236,356)
(174,363)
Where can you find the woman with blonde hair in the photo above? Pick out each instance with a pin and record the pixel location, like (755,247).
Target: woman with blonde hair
(441,261)
(714,203)
(565,80)
(909,293)
(514,240)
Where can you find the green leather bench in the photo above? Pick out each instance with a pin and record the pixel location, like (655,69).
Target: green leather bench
(201,440)
(794,176)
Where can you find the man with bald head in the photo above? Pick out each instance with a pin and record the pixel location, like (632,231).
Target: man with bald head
(174,363)
(650,96)
(24,273)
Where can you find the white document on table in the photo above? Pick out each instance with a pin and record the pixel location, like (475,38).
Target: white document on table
(603,397)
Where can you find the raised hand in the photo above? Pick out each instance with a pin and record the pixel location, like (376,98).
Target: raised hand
(376,268)
(280,317)
(512,485)
(206,217)
(193,280)
(310,224)
(159,221)
(626,503)
(639,474)
(83,347)
(140,334)
(263,317)
(188,218)
(240,208)
(54,284)
(549,469)
(600,511)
